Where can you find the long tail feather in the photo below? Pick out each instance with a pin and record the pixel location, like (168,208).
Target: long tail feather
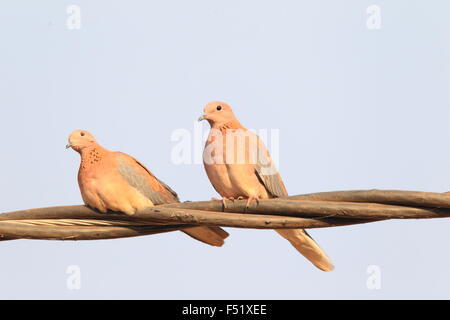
(306,245)
(214,236)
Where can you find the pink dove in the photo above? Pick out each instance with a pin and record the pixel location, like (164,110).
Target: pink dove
(239,166)
(116,181)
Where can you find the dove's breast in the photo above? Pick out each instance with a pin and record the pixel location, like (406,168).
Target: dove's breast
(216,169)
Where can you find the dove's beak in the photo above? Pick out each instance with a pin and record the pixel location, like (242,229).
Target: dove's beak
(203,117)
(68,146)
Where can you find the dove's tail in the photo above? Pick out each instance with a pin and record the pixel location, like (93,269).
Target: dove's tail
(213,236)
(306,245)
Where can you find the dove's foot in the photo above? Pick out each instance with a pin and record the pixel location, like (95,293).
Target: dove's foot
(224,201)
(250,199)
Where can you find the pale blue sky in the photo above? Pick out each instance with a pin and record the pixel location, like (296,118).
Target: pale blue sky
(356,109)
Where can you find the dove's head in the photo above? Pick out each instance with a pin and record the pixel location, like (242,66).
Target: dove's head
(218,113)
(80,139)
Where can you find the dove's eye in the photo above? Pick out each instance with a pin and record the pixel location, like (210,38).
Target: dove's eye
(219,108)
(82,134)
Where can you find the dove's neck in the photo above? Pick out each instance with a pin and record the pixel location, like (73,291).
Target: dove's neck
(92,156)
(233,124)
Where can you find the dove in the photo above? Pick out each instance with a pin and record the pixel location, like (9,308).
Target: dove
(115,181)
(239,166)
